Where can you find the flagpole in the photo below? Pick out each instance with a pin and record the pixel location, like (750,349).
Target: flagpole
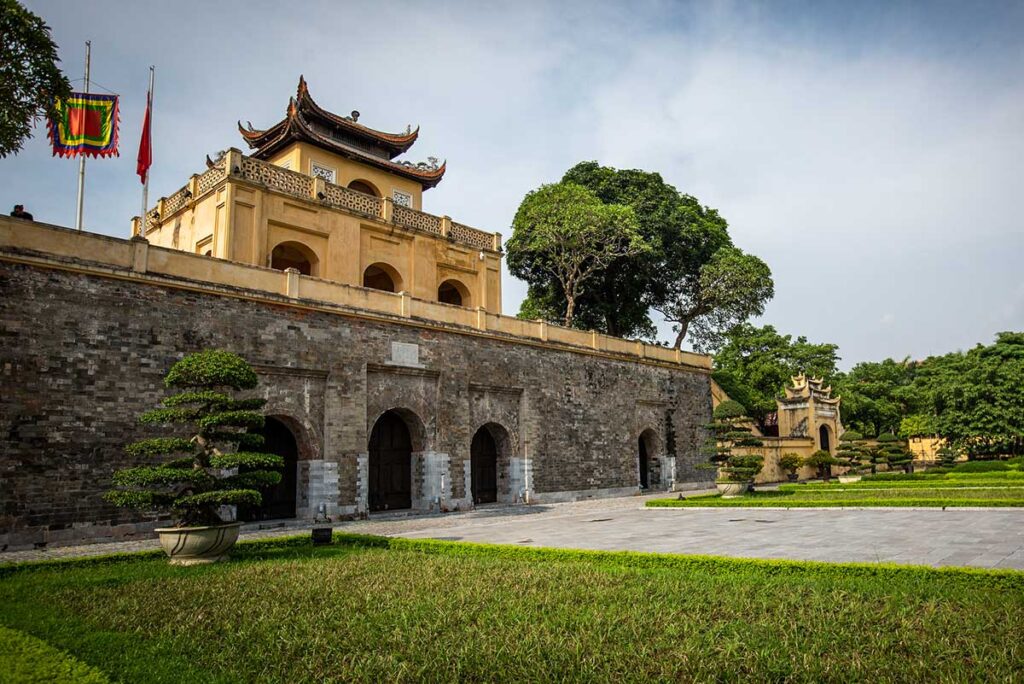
(145,184)
(81,158)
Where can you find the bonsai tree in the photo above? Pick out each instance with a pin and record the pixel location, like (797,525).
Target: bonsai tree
(729,432)
(212,460)
(790,463)
(895,452)
(852,451)
(823,462)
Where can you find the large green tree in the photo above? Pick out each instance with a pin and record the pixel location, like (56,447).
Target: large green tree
(978,397)
(681,236)
(30,80)
(563,235)
(754,364)
(878,395)
(725,291)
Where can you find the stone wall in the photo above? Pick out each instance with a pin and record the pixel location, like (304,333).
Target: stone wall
(84,351)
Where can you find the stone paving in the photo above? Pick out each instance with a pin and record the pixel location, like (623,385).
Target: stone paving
(988,538)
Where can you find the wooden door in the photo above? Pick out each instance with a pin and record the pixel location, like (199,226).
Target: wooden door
(484,467)
(390,464)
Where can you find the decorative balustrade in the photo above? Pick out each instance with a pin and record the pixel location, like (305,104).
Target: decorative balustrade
(359,202)
(300,185)
(209,179)
(471,236)
(410,218)
(178,200)
(285,180)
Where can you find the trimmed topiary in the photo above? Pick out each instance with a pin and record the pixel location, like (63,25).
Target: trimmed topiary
(852,452)
(214,460)
(729,431)
(790,463)
(894,451)
(822,461)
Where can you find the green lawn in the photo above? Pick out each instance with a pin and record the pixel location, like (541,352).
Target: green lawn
(370,609)
(945,489)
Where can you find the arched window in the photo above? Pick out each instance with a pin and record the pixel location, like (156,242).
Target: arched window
(823,439)
(294,255)
(453,292)
(381,276)
(364,187)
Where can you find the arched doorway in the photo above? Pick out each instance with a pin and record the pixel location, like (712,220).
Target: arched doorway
(483,467)
(453,292)
(390,464)
(380,276)
(364,187)
(644,464)
(294,255)
(823,439)
(279,500)
(647,462)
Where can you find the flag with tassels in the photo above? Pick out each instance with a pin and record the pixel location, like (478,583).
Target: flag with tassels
(85,125)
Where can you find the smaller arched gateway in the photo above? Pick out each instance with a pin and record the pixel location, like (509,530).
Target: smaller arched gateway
(278,501)
(647,458)
(489,465)
(824,440)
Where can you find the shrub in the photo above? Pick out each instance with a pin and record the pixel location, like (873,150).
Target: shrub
(894,452)
(202,469)
(981,467)
(852,451)
(823,462)
(728,432)
(790,462)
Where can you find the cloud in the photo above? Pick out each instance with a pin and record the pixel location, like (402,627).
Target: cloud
(869,153)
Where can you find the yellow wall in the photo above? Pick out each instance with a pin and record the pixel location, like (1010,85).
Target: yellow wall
(138,260)
(302,156)
(244,221)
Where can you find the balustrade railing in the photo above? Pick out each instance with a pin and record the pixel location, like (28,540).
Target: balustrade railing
(300,185)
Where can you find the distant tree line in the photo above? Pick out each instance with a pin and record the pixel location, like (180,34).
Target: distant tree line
(973,399)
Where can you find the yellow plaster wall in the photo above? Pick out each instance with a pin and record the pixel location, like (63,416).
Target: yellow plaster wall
(347,170)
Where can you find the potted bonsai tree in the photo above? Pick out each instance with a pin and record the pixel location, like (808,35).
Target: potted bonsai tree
(210,461)
(823,462)
(895,453)
(729,432)
(851,454)
(790,463)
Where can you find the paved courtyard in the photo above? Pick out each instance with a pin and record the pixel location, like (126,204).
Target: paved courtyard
(989,538)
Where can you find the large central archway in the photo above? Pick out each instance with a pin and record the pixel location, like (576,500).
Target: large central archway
(390,464)
(279,500)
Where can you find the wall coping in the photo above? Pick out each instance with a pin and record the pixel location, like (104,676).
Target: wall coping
(56,247)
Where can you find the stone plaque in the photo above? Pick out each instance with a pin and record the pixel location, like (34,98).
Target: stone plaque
(405,354)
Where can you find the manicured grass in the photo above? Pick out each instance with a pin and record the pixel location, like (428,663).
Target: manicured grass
(373,609)
(25,659)
(955,489)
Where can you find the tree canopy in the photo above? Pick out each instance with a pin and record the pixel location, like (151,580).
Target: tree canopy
(754,364)
(30,80)
(563,235)
(682,271)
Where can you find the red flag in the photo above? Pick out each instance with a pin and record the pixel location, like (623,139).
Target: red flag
(145,145)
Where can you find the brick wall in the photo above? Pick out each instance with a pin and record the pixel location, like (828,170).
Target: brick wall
(82,355)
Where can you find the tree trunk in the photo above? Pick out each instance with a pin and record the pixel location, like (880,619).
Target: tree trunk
(570,306)
(683,325)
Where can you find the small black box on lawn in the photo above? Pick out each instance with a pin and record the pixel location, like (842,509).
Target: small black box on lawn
(322,535)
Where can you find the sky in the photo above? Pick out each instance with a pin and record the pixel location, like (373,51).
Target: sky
(870,153)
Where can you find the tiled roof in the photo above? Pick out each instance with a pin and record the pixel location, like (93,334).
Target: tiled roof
(352,140)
